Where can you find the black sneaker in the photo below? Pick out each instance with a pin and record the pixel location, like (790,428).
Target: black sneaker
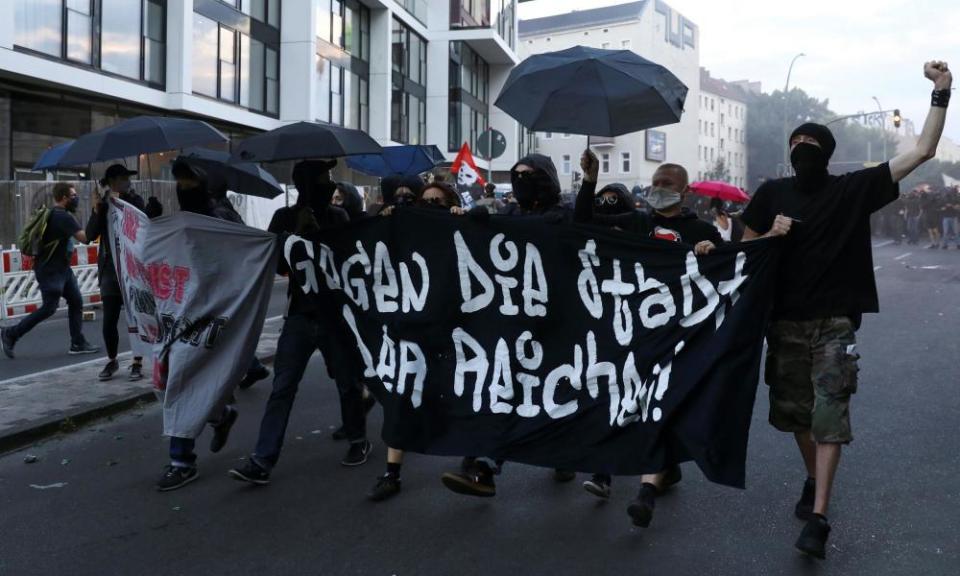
(387,486)
(673,476)
(358,453)
(136,372)
(804,508)
(563,476)
(7,342)
(813,539)
(85,348)
(176,477)
(641,509)
(253,376)
(252,473)
(475,479)
(109,370)
(221,430)
(598,486)
(339,434)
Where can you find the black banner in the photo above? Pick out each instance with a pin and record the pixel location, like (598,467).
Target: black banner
(555,345)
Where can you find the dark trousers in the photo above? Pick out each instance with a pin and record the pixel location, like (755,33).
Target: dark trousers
(112,305)
(300,337)
(181,449)
(55,284)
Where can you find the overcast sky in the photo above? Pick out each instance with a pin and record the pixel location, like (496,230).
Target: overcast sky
(855,49)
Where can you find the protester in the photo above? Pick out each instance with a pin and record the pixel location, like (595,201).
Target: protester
(930,205)
(730,228)
(949,213)
(537,190)
(671,222)
(304,331)
(826,283)
(441,196)
(54,276)
(117,181)
(195,194)
(348,197)
(913,213)
(398,191)
(489,199)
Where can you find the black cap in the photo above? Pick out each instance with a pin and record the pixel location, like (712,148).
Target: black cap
(819,132)
(116,170)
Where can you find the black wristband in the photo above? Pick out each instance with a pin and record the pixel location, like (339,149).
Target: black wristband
(940,98)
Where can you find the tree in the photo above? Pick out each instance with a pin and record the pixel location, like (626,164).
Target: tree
(719,172)
(856,144)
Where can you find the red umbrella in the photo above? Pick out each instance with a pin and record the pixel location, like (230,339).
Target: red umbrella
(720,190)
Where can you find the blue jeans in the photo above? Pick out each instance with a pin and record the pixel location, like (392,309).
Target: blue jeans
(181,449)
(913,229)
(950,231)
(54,284)
(300,337)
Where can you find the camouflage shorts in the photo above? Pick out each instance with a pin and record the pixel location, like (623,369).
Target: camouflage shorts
(812,371)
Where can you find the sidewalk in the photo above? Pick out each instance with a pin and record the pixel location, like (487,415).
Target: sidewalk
(39,404)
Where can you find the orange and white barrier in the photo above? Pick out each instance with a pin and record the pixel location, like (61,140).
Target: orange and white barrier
(19,292)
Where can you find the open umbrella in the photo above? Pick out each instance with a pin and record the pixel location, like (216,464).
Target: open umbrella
(398,161)
(51,157)
(592,92)
(303,140)
(241,177)
(139,135)
(720,190)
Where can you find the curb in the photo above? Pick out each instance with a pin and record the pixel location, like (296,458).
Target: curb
(67,423)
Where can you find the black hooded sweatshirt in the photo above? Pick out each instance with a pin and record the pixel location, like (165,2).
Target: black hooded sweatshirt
(634,221)
(548,195)
(97,228)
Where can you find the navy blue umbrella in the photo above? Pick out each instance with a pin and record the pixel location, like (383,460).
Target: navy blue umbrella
(140,135)
(51,158)
(303,140)
(241,177)
(592,92)
(408,160)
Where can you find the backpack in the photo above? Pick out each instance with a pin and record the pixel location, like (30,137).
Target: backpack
(30,239)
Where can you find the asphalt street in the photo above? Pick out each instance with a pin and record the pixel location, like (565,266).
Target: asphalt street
(88,506)
(45,347)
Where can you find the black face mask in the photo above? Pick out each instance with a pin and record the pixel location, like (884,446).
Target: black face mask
(810,163)
(529,187)
(320,195)
(603,205)
(193,200)
(434,203)
(73,204)
(404,200)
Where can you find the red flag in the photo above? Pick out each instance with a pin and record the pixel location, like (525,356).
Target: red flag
(466,169)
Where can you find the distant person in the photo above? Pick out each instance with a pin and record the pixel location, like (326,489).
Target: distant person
(489,199)
(930,205)
(729,227)
(949,212)
(54,276)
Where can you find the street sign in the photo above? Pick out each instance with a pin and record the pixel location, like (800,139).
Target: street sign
(483,147)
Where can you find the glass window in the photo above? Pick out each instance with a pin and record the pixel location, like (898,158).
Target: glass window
(398,47)
(154,42)
(414,59)
(120,37)
(605,162)
(336,23)
(256,9)
(336,95)
(252,73)
(79,31)
(397,109)
(39,25)
(273,13)
(348,29)
(364,105)
(625,44)
(323,19)
(273,81)
(228,64)
(365,34)
(625,162)
(204,56)
(566,163)
(322,72)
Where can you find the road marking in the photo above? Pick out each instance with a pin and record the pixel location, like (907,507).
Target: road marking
(875,268)
(882,244)
(121,356)
(931,267)
(902,256)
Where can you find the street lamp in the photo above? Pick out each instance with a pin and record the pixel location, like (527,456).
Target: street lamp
(786,100)
(883,127)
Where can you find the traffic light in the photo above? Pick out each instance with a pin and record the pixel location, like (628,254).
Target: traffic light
(896,118)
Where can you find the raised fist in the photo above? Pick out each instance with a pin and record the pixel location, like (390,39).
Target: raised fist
(939,73)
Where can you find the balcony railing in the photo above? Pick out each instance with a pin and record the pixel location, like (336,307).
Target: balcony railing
(499,15)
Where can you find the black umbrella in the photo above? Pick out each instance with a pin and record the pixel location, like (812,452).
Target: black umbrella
(592,92)
(304,140)
(241,177)
(140,135)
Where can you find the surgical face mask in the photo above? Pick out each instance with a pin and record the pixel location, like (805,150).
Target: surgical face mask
(73,204)
(662,198)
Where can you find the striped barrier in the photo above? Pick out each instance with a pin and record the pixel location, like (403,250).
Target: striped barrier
(19,292)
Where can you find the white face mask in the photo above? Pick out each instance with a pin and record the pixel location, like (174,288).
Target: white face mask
(662,198)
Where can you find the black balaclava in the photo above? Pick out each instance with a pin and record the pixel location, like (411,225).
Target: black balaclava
(390,185)
(624,203)
(314,188)
(810,161)
(196,200)
(539,189)
(352,202)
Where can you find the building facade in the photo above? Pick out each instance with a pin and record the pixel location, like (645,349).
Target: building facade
(652,29)
(722,126)
(405,71)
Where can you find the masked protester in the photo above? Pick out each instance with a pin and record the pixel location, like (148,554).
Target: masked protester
(54,275)
(435,196)
(348,197)
(303,333)
(825,284)
(116,180)
(612,207)
(398,191)
(537,190)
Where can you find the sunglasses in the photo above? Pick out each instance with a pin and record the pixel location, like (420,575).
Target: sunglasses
(601,200)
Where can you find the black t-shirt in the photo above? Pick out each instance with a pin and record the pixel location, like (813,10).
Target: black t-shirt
(826,268)
(951,206)
(686,228)
(61,226)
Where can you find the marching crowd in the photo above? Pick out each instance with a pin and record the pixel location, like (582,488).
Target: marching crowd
(825,283)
